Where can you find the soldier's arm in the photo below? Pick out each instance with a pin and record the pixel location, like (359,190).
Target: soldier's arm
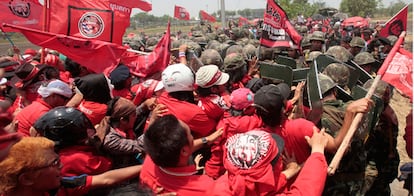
(361,105)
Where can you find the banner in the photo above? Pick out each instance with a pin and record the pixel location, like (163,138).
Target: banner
(146,65)
(26,13)
(399,72)
(96,55)
(140,4)
(397,24)
(243,21)
(277,30)
(104,20)
(181,13)
(205,16)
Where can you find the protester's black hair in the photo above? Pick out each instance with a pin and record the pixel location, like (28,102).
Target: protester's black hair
(72,67)
(271,117)
(204,92)
(164,140)
(187,96)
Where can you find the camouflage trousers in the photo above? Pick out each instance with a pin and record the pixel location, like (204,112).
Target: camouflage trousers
(344,185)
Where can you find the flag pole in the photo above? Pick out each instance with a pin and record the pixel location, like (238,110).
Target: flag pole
(44,28)
(358,117)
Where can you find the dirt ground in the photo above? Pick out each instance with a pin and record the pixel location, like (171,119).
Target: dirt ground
(402,107)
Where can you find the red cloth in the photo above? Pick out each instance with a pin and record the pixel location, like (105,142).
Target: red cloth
(205,16)
(93,110)
(77,49)
(107,22)
(181,13)
(23,13)
(146,65)
(28,116)
(190,184)
(232,125)
(125,93)
(243,21)
(397,24)
(211,106)
(294,132)
(399,71)
(78,160)
(277,30)
(198,121)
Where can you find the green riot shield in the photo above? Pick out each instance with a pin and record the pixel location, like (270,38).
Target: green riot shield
(284,60)
(342,94)
(300,74)
(314,95)
(373,115)
(276,73)
(324,60)
(363,75)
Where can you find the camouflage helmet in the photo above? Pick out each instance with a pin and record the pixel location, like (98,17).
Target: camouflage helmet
(392,39)
(312,55)
(364,58)
(195,47)
(152,41)
(243,41)
(325,83)
(303,29)
(237,33)
(234,49)
(338,72)
(233,61)
(357,42)
(249,51)
(339,53)
(201,39)
(213,44)
(211,56)
(176,43)
(211,36)
(197,34)
(317,35)
(305,42)
(381,87)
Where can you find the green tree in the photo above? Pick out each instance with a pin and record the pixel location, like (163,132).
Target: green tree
(358,7)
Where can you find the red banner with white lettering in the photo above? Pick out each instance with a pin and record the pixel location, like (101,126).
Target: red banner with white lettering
(27,13)
(96,55)
(277,30)
(181,13)
(205,16)
(396,24)
(104,20)
(146,65)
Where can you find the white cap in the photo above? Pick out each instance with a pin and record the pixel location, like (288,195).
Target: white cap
(55,87)
(178,77)
(3,81)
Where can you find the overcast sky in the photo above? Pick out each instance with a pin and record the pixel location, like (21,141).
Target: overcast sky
(161,7)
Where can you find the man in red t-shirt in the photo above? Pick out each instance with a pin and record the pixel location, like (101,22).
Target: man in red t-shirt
(178,80)
(56,93)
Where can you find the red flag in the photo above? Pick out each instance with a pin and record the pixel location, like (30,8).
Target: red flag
(104,20)
(181,13)
(277,30)
(140,4)
(396,25)
(397,68)
(205,16)
(243,21)
(27,13)
(96,55)
(146,65)
(399,72)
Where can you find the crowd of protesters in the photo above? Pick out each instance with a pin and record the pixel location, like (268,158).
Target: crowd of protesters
(208,124)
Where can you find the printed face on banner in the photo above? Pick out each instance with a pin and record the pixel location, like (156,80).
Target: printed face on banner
(183,13)
(89,23)
(20,8)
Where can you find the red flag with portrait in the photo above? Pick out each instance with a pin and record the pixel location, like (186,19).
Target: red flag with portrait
(104,20)
(96,55)
(205,16)
(277,31)
(181,13)
(27,13)
(396,25)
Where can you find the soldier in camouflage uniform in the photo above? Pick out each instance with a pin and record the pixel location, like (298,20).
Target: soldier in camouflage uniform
(317,40)
(382,142)
(357,45)
(367,61)
(349,177)
(339,73)
(339,53)
(211,57)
